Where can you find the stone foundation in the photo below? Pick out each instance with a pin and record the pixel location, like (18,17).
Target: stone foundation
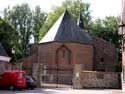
(93,79)
(76,76)
(37,73)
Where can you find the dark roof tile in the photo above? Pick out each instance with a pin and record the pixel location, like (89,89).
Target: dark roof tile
(66,30)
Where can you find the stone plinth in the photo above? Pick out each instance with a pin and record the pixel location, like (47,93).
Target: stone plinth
(93,79)
(76,76)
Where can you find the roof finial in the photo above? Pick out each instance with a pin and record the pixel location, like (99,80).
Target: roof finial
(80,22)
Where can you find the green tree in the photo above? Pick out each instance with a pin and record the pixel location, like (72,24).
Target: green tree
(7,36)
(74,7)
(108,30)
(38,20)
(20,17)
(26,23)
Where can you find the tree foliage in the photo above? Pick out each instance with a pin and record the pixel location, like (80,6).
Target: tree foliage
(108,29)
(7,36)
(38,21)
(25,22)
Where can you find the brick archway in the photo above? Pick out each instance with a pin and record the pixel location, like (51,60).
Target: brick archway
(61,73)
(64,65)
(63,57)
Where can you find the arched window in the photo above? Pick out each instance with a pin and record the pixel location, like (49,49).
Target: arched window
(101,66)
(63,55)
(102,59)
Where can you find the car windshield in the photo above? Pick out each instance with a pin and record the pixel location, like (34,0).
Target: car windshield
(28,78)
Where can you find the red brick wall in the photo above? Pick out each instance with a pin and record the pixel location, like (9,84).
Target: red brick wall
(80,53)
(87,55)
(105,50)
(34,48)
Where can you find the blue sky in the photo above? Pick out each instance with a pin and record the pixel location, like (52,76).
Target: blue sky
(99,8)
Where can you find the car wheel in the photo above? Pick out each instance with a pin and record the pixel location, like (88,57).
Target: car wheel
(11,87)
(20,88)
(32,87)
(28,87)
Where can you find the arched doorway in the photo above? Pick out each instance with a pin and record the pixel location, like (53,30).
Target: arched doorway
(64,65)
(61,73)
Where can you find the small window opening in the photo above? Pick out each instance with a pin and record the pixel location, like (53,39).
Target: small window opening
(102,59)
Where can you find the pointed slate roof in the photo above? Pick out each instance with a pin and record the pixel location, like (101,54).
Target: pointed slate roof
(2,51)
(66,30)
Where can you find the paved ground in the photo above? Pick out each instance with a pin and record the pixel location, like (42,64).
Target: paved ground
(63,91)
(67,90)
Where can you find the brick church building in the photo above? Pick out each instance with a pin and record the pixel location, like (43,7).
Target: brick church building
(68,54)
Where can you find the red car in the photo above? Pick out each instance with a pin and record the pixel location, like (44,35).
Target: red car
(13,79)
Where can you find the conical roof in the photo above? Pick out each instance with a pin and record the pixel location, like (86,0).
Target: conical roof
(66,30)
